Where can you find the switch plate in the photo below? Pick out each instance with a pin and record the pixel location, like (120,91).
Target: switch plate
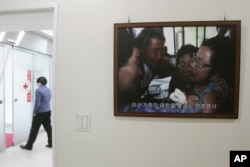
(82,122)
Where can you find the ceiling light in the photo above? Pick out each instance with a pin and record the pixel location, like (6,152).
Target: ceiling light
(19,37)
(48,32)
(2,34)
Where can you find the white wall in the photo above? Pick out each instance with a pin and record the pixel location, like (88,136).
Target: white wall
(84,84)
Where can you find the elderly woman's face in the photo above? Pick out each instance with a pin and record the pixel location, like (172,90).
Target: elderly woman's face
(184,67)
(200,65)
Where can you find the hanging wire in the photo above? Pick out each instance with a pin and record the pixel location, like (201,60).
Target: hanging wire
(225,10)
(129,19)
(129,7)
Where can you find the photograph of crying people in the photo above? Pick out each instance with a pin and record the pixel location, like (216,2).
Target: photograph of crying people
(174,70)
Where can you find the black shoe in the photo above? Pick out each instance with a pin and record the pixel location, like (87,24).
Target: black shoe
(25,147)
(49,146)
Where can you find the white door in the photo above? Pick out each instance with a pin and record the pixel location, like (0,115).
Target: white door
(22,94)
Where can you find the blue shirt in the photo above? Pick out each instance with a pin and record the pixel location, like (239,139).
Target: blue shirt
(42,100)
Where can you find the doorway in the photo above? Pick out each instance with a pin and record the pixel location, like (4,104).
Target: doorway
(31,20)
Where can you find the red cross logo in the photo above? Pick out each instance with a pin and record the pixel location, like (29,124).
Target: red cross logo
(25,86)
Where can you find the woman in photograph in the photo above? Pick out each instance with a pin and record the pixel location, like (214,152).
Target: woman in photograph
(207,72)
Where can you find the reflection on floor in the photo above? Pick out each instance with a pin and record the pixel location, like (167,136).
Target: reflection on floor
(8,139)
(40,156)
(8,134)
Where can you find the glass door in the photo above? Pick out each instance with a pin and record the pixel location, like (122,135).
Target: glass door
(42,67)
(2,116)
(22,94)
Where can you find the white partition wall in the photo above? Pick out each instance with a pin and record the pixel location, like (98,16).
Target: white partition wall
(2,120)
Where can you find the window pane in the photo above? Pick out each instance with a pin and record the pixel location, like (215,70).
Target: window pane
(200,37)
(169,35)
(190,35)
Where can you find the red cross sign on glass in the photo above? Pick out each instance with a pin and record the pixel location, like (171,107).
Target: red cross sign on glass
(27,86)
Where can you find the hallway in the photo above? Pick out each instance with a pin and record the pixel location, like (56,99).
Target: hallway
(40,156)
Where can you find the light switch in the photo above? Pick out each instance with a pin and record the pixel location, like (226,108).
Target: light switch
(83,122)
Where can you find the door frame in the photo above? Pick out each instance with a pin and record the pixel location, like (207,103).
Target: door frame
(31,9)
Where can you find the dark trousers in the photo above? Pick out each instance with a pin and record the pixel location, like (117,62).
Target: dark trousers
(38,120)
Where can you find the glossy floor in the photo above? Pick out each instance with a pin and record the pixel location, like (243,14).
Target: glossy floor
(40,156)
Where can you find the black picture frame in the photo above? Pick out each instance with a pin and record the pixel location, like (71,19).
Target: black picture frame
(181,32)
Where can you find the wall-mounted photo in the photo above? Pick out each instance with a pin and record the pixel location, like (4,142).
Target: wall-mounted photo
(177,69)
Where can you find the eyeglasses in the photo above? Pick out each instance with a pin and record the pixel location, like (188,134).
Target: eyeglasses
(198,64)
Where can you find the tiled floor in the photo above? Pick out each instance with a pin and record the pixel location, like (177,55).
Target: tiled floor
(40,156)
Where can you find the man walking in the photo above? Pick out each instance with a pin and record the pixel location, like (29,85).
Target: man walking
(41,114)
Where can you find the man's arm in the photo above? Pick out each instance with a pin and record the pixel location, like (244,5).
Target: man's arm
(37,102)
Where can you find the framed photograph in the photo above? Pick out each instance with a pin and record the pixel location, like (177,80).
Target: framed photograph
(185,69)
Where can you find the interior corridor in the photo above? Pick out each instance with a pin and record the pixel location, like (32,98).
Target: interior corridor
(40,156)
